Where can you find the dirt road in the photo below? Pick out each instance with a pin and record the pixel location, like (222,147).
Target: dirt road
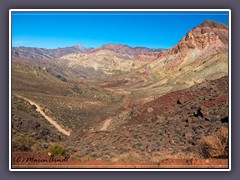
(49,119)
(106,124)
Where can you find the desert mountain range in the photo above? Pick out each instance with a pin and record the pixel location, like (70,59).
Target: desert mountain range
(117,99)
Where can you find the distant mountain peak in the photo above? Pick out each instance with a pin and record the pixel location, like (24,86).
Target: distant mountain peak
(114,45)
(79,46)
(127,52)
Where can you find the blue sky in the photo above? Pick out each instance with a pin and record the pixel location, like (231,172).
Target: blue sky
(93,29)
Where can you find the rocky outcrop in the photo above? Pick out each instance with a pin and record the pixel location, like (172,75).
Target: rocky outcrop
(203,43)
(201,37)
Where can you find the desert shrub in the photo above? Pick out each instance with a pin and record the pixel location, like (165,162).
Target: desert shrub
(216,145)
(85,159)
(36,147)
(56,150)
(167,60)
(24,140)
(163,155)
(128,157)
(76,89)
(23,143)
(22,108)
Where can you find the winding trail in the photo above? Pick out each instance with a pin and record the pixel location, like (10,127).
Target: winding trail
(49,119)
(106,124)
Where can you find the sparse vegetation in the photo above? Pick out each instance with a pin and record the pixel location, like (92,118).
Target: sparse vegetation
(167,60)
(56,150)
(128,157)
(85,159)
(163,155)
(216,145)
(23,143)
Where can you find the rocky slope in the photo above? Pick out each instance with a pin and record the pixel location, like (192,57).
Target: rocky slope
(201,55)
(205,40)
(113,58)
(42,53)
(30,131)
(171,125)
(127,52)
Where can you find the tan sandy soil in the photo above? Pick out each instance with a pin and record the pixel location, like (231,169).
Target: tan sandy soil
(107,122)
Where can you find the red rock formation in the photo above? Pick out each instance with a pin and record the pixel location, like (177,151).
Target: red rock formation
(210,38)
(208,33)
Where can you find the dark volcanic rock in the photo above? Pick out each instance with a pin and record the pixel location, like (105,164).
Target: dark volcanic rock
(203,111)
